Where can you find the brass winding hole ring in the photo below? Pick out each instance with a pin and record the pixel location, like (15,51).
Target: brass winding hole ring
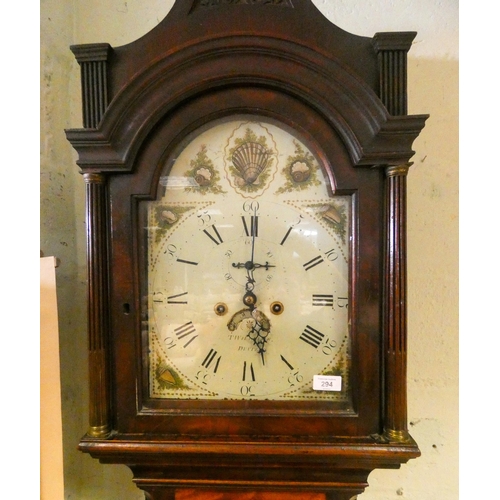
(277,308)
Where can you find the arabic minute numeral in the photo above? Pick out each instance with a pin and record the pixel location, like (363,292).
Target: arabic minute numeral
(332,255)
(170,250)
(204,218)
(329,346)
(342,302)
(247,390)
(295,378)
(251,206)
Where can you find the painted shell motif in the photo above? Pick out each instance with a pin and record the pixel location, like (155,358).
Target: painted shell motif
(165,375)
(168,216)
(251,159)
(203,176)
(335,216)
(331,214)
(300,171)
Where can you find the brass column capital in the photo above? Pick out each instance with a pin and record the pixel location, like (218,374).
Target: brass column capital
(94,178)
(398,170)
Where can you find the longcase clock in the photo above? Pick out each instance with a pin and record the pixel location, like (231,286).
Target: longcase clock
(245,165)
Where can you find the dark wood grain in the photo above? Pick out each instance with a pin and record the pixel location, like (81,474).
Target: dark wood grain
(193,494)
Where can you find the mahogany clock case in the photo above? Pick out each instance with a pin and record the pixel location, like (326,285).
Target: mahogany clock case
(360,417)
(345,97)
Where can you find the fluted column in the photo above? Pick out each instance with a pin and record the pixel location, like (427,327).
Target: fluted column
(395,313)
(92,59)
(392,50)
(97,319)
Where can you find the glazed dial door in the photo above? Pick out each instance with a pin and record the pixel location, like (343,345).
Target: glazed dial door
(248,271)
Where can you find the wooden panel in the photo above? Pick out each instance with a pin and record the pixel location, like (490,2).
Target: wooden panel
(195,494)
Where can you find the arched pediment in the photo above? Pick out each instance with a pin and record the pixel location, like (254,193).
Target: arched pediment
(371,135)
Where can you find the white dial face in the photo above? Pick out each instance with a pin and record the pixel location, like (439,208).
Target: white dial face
(248,269)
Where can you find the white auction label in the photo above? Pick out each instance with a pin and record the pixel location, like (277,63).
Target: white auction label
(327,383)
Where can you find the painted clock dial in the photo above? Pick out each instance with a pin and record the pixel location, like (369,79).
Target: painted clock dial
(248,256)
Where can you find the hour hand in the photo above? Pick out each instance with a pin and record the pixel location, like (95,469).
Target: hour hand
(251,265)
(266,265)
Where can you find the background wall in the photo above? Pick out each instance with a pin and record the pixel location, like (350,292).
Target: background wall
(432,227)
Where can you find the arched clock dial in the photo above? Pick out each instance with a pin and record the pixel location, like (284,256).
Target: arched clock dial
(248,271)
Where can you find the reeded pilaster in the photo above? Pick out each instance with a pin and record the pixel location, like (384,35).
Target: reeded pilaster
(99,418)
(92,59)
(395,313)
(392,50)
